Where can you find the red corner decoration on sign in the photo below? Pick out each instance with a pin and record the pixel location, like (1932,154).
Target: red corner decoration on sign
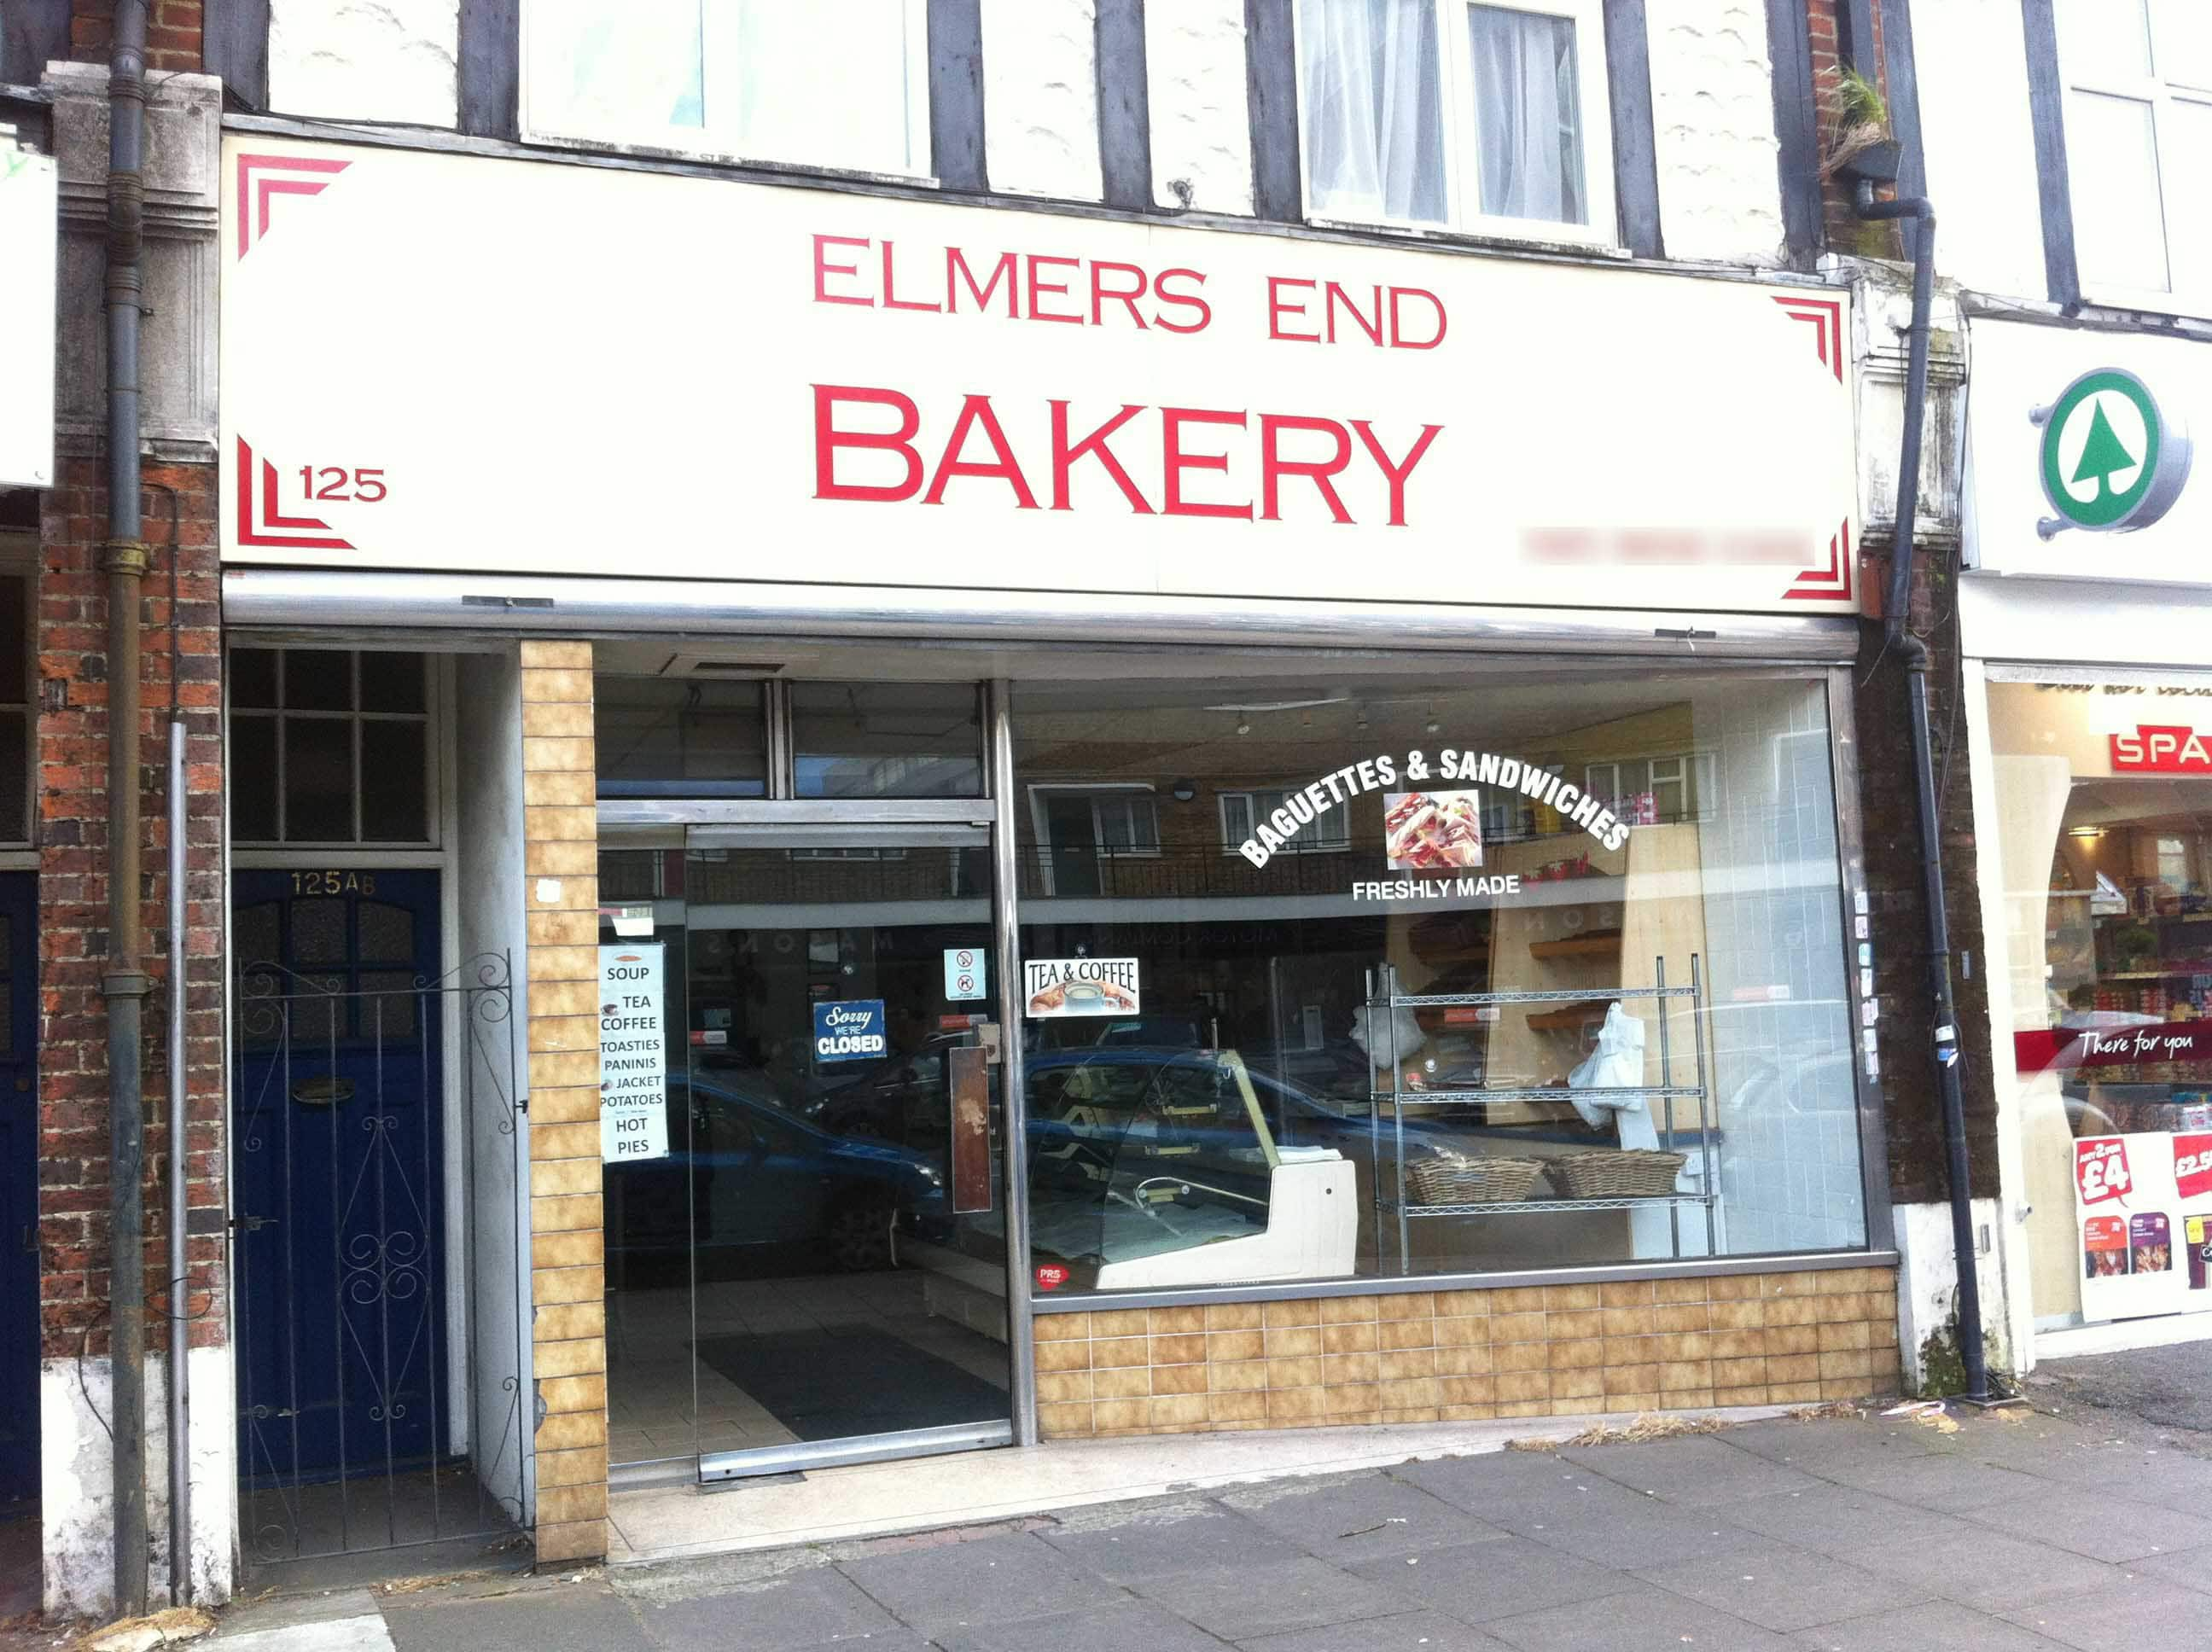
(2155,748)
(261,519)
(262,177)
(1832,583)
(2100,1169)
(2192,1165)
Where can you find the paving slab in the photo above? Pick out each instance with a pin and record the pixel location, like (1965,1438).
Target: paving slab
(1838,1516)
(1359,1519)
(1981,1568)
(1932,1626)
(2141,1612)
(1646,1534)
(2190,1568)
(1244,1603)
(1780,1587)
(801,1609)
(1695,1469)
(1947,1484)
(989,1580)
(1412,1632)
(565,1617)
(1121,1544)
(1119,1628)
(1486,1484)
(1801,1443)
(2102,1527)
(1642,1617)
(1482,1581)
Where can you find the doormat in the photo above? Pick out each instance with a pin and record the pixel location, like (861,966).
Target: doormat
(824,1384)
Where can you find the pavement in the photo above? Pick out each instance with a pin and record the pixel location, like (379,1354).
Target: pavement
(1967,1530)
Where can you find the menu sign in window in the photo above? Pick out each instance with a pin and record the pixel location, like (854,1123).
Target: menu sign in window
(2136,1197)
(633,1054)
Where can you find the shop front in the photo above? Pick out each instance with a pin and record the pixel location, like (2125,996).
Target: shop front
(1056,903)
(2094,785)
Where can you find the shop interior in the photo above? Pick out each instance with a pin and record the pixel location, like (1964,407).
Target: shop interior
(1248,1113)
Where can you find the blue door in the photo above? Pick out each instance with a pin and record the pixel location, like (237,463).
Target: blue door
(339,1243)
(19,1188)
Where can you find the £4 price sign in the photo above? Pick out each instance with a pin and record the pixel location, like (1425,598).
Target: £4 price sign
(2100,1169)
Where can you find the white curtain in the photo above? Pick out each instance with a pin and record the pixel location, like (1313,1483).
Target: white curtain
(1369,103)
(615,69)
(1526,115)
(823,83)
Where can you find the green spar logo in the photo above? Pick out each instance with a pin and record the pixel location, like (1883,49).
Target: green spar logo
(2111,461)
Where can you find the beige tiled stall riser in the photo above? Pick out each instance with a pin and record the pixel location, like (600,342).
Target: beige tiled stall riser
(567,1237)
(1449,1356)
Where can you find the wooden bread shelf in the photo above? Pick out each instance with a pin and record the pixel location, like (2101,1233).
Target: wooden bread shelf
(1578,946)
(1572,1016)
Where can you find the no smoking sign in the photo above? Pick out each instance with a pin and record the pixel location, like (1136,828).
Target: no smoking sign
(967,974)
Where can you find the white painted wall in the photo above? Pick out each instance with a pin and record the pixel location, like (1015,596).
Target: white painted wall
(1927,1284)
(487,724)
(1712,103)
(1980,145)
(77,1488)
(1195,74)
(1041,98)
(385,60)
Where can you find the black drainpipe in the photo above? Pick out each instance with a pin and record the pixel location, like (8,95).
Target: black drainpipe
(124,560)
(1898,640)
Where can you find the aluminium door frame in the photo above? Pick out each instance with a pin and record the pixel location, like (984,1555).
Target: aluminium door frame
(987,821)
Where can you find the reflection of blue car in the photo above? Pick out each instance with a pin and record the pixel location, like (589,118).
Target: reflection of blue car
(743,1171)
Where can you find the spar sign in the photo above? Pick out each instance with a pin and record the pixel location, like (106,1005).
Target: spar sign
(2111,460)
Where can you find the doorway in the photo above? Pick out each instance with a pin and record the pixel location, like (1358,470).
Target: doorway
(811,1269)
(349,1436)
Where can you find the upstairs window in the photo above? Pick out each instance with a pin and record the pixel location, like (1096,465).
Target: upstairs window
(839,84)
(1489,118)
(2138,143)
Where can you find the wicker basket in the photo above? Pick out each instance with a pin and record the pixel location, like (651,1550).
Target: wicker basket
(1443,1177)
(1615,1173)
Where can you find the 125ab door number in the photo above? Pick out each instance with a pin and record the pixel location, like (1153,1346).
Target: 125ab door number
(333,882)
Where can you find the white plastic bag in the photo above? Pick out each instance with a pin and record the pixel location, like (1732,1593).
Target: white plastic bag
(1373,1035)
(1616,1064)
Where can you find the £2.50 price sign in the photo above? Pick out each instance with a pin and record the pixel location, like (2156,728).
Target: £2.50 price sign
(2100,1169)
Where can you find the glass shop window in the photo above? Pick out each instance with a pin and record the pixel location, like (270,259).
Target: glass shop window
(330,746)
(830,83)
(1216,1084)
(886,740)
(661,737)
(2104,846)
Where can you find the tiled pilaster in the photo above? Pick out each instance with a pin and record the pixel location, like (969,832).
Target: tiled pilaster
(568,1273)
(1450,1355)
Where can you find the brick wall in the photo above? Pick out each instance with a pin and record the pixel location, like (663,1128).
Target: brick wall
(1889,798)
(1469,1356)
(173,33)
(72,832)
(566,1260)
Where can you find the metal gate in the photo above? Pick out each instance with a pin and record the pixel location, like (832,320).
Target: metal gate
(382,1325)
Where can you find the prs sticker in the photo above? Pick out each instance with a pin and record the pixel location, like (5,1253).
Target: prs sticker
(2192,1165)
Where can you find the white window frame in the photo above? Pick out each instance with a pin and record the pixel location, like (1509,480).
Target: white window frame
(1040,820)
(1307,839)
(2187,293)
(430,718)
(1463,177)
(699,142)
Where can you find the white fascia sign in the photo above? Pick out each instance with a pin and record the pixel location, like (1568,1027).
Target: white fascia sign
(933,392)
(29,239)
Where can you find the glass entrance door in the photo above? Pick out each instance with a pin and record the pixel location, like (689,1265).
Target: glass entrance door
(813,1271)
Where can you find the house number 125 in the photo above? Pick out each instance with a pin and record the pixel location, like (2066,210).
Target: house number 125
(365,483)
